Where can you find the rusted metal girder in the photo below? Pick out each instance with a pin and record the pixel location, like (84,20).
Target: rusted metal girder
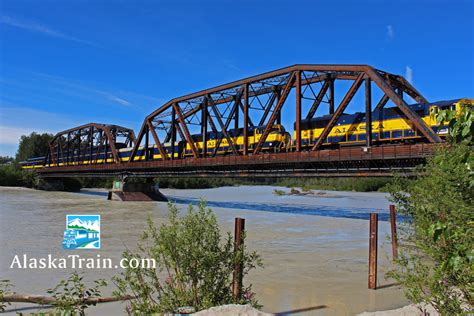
(183,126)
(163,152)
(266,131)
(403,106)
(318,100)
(383,100)
(223,127)
(246,118)
(344,161)
(73,145)
(267,85)
(233,114)
(340,109)
(298,110)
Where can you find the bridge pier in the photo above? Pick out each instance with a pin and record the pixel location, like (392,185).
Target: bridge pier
(124,190)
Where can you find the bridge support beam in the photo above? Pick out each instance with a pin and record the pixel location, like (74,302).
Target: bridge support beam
(136,191)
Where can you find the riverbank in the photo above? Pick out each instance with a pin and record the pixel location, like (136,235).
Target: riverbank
(314,264)
(13,175)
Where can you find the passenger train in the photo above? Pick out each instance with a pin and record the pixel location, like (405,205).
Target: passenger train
(388,126)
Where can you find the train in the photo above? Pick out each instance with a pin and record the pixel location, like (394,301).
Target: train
(388,126)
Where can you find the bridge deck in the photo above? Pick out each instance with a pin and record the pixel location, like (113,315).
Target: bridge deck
(380,160)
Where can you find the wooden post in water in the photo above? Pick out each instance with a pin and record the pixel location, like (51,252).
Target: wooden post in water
(373,232)
(393,224)
(238,267)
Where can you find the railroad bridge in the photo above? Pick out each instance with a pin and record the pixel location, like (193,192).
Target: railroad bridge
(253,105)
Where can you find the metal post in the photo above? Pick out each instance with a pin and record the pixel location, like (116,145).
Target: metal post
(238,267)
(57,151)
(105,148)
(278,92)
(400,93)
(368,113)
(204,127)
(246,118)
(173,132)
(393,224)
(236,114)
(68,148)
(79,147)
(373,232)
(331,95)
(147,142)
(92,144)
(298,111)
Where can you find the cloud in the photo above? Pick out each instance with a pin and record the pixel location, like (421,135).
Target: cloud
(39,28)
(119,100)
(409,74)
(390,32)
(11,135)
(16,121)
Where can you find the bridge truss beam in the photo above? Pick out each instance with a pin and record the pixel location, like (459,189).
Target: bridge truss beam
(262,99)
(91,143)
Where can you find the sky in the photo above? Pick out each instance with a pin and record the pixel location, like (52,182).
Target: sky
(67,63)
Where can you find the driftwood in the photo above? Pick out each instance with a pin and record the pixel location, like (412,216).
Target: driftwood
(40,299)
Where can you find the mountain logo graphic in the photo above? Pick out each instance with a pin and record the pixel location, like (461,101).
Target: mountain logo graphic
(82,232)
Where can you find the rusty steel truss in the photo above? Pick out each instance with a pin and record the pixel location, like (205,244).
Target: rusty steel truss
(255,101)
(92,143)
(229,105)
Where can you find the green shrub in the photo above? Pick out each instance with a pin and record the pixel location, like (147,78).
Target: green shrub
(437,256)
(194,265)
(5,287)
(436,265)
(12,175)
(278,192)
(72,295)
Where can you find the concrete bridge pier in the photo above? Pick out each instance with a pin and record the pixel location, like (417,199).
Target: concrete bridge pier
(124,190)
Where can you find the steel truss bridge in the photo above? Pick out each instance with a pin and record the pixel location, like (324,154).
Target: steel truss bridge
(255,101)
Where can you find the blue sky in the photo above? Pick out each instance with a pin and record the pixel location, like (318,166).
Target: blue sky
(65,63)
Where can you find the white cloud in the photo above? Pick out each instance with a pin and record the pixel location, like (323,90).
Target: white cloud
(390,32)
(409,74)
(39,28)
(11,135)
(119,100)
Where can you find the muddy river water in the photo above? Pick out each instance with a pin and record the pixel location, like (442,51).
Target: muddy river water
(314,248)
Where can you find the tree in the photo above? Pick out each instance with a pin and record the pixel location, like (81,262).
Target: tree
(4,160)
(436,264)
(33,145)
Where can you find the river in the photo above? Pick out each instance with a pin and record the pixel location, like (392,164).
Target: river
(314,248)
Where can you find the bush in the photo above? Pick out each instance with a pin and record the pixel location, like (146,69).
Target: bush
(72,295)
(12,175)
(437,257)
(436,265)
(194,265)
